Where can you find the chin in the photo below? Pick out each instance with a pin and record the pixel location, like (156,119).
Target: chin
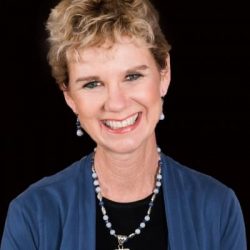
(119,146)
(123,148)
(126,145)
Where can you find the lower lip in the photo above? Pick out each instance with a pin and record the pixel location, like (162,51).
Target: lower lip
(126,129)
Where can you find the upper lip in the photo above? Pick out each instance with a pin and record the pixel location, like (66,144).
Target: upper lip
(119,120)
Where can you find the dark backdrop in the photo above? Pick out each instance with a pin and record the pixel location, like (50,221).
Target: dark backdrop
(207,107)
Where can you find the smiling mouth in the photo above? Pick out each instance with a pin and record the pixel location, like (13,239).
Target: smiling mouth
(114,124)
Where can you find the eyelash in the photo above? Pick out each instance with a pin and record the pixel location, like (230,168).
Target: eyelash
(130,77)
(92,85)
(133,77)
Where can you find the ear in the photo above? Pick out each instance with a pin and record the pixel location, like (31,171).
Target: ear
(165,77)
(69,100)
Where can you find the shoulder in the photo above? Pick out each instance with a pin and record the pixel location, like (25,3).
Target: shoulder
(196,188)
(67,174)
(47,207)
(61,185)
(209,203)
(191,179)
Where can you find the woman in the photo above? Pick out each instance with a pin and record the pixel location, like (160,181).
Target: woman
(111,61)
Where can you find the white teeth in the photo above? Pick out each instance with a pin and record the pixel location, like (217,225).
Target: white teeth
(121,124)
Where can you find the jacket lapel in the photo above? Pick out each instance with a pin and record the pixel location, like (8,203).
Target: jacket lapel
(87,208)
(181,234)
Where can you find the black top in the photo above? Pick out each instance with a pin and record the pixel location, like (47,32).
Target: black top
(126,217)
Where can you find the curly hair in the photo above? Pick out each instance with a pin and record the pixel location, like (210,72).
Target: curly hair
(77,24)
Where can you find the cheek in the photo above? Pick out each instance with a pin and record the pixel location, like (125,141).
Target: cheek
(90,105)
(150,93)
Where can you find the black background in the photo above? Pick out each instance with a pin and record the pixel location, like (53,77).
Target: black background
(207,107)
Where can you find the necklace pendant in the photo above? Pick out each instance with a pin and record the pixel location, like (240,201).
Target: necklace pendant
(121,240)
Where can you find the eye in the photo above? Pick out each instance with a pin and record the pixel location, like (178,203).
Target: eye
(92,85)
(133,77)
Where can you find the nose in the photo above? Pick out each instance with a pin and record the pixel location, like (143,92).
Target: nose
(116,99)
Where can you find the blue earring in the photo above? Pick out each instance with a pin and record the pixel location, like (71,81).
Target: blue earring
(79,131)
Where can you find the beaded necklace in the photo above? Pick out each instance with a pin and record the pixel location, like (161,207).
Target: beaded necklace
(124,238)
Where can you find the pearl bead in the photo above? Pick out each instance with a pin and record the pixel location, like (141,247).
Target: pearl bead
(137,231)
(158,184)
(142,225)
(108,225)
(94,175)
(96,182)
(105,217)
(112,232)
(159,177)
(156,190)
(79,132)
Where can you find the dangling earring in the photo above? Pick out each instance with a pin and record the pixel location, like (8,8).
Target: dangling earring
(162,116)
(79,131)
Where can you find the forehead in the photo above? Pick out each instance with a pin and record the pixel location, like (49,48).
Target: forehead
(123,51)
(106,49)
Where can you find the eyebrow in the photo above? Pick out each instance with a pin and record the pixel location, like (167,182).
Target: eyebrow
(87,79)
(97,78)
(140,67)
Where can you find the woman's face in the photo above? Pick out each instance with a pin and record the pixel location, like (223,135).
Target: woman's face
(117,94)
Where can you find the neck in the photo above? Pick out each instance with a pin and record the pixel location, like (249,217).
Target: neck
(127,177)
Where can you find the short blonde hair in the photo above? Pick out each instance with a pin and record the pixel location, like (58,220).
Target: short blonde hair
(77,24)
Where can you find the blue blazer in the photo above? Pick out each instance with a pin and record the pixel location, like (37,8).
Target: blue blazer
(58,212)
